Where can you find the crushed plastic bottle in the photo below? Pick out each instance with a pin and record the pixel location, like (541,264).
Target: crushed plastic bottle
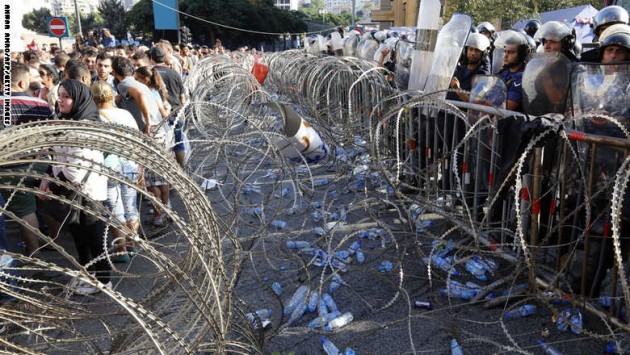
(476,269)
(423,224)
(322,320)
(253,211)
(548,349)
(261,313)
(522,311)
(317,216)
(278,224)
(298,298)
(329,347)
(356,245)
(330,303)
(457,290)
(340,321)
(319,231)
(323,309)
(442,264)
(316,204)
(249,189)
(360,257)
(321,182)
(456,349)
(441,248)
(415,211)
(282,193)
(349,351)
(277,288)
(562,323)
(313,301)
(342,254)
(612,348)
(333,286)
(385,266)
(298,244)
(576,322)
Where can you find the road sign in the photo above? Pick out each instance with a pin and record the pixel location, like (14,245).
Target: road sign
(58,27)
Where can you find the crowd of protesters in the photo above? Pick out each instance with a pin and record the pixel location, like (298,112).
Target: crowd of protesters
(99,80)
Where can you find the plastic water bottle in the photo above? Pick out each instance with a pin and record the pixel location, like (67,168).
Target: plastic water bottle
(415,211)
(490,265)
(319,231)
(386,266)
(422,225)
(522,311)
(323,309)
(562,323)
(321,182)
(349,351)
(321,321)
(330,303)
(360,257)
(548,349)
(278,224)
(248,189)
(277,288)
(576,322)
(441,248)
(340,321)
(297,313)
(316,204)
(457,290)
(354,247)
(298,244)
(442,264)
(333,286)
(476,269)
(329,347)
(342,254)
(282,193)
(316,216)
(456,349)
(261,313)
(298,298)
(253,211)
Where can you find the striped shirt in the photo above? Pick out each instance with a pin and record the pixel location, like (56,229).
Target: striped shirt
(26,108)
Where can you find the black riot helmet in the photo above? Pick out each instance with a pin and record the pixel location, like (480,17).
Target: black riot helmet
(531,27)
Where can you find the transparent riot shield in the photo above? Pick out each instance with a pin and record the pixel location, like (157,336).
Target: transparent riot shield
(448,49)
(600,94)
(546,83)
(488,90)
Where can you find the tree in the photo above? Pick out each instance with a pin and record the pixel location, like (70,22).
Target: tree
(114,16)
(140,19)
(90,21)
(36,20)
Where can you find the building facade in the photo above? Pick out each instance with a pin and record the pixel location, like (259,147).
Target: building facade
(397,13)
(287,4)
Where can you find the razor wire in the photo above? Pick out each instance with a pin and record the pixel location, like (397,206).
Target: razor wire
(406,183)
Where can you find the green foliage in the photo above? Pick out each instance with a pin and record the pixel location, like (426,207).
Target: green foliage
(88,22)
(140,18)
(253,15)
(36,20)
(508,11)
(114,16)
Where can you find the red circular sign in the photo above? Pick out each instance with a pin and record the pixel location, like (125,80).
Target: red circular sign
(57,26)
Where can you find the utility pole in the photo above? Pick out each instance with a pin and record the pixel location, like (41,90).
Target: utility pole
(354,23)
(78,17)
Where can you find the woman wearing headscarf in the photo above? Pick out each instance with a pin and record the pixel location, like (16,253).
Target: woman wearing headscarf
(79,167)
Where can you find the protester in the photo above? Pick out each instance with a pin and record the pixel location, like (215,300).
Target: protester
(89,234)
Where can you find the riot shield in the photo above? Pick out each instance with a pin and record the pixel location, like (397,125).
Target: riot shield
(428,17)
(488,90)
(600,90)
(546,83)
(369,48)
(449,46)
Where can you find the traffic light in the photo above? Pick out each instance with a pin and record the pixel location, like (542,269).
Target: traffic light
(186,36)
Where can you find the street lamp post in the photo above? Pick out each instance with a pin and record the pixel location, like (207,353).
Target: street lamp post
(77,14)
(354,24)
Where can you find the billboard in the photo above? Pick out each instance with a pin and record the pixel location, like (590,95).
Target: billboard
(165,14)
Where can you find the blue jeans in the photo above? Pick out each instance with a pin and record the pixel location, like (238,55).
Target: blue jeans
(122,198)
